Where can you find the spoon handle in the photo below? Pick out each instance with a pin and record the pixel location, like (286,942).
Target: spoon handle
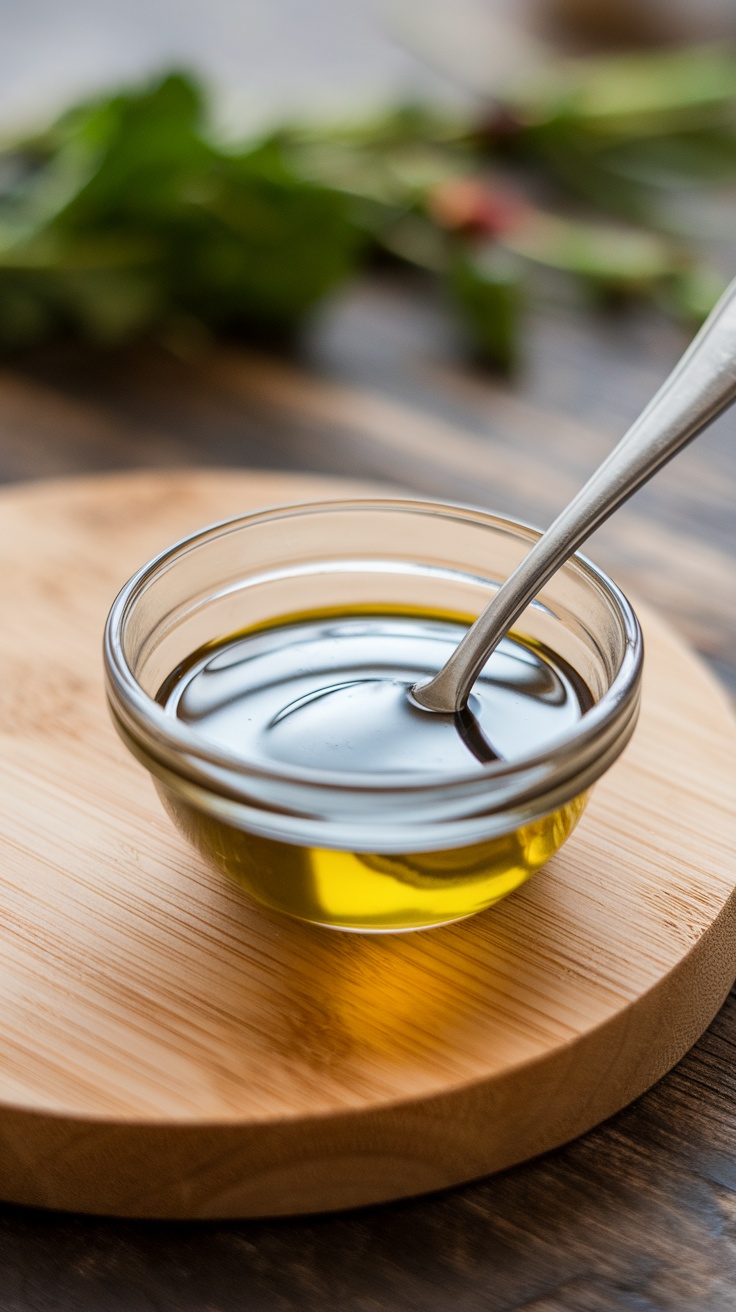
(701,385)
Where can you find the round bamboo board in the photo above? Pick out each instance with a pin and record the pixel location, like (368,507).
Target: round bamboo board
(168,1049)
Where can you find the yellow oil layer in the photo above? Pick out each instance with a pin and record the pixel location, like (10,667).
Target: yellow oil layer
(372,892)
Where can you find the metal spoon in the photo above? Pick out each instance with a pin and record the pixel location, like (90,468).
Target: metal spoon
(700,387)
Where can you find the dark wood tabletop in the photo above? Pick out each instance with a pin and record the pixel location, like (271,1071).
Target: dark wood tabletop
(639,1214)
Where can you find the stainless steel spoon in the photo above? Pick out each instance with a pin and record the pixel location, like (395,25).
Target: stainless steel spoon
(700,386)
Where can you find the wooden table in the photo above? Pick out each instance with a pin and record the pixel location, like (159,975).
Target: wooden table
(641,1213)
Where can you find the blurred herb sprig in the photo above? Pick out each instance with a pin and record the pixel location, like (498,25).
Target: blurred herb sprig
(126,218)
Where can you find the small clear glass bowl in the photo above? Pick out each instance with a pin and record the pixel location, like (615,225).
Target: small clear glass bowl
(373,854)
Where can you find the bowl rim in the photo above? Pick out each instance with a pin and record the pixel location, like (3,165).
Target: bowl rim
(177,746)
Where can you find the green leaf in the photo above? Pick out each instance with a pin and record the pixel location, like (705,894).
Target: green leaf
(133,216)
(616,258)
(486,283)
(148,149)
(615,130)
(687,159)
(636,95)
(259,243)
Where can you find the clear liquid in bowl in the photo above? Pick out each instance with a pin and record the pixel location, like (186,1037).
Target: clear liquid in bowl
(328,690)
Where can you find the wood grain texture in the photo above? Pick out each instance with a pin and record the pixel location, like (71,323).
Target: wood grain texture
(171,1050)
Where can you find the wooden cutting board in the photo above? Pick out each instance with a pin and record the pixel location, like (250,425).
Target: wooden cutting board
(168,1049)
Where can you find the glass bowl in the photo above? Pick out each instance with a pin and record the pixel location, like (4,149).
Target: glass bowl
(368,853)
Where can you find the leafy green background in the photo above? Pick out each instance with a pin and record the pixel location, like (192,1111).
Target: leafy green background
(127,218)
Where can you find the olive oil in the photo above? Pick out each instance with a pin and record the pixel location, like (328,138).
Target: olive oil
(328,692)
